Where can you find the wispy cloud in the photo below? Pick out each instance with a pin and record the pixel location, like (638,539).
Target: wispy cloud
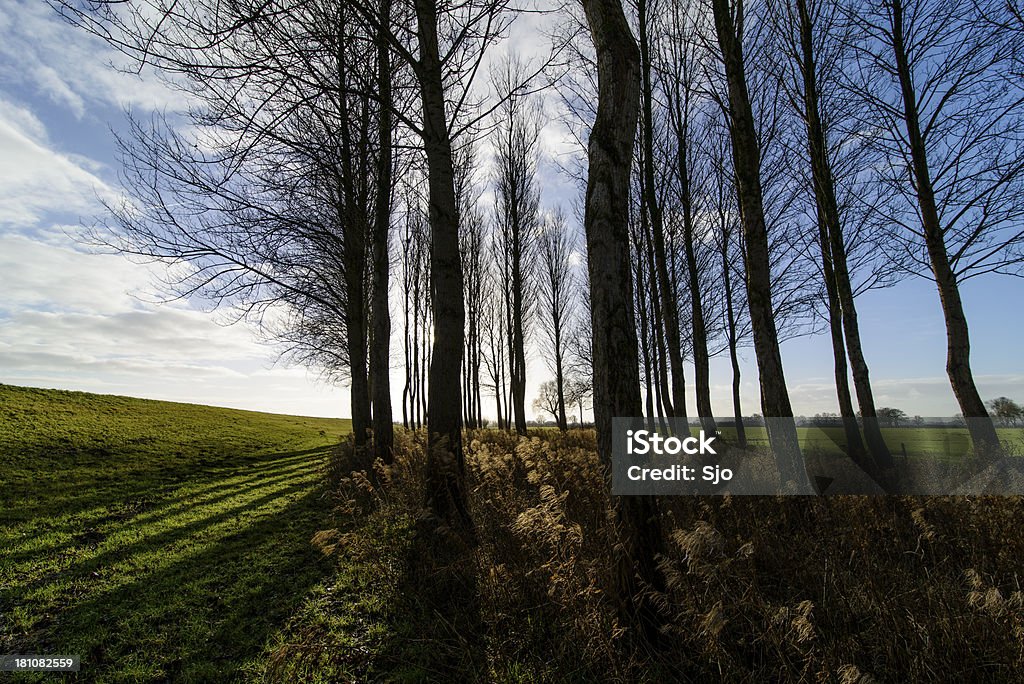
(42,52)
(35,177)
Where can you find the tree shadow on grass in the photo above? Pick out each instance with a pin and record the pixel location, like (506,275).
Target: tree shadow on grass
(402,606)
(151,479)
(439,634)
(144,501)
(201,616)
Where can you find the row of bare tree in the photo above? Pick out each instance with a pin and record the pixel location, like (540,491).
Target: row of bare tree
(749,169)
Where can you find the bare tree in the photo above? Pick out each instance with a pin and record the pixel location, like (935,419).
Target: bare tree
(942,107)
(556,297)
(415,306)
(473,246)
(682,73)
(812,41)
(667,294)
(551,401)
(270,218)
(380,310)
(725,212)
(494,322)
(516,139)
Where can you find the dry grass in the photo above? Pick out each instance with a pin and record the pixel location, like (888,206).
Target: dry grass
(840,589)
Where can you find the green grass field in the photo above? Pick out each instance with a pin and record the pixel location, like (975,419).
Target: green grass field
(159,541)
(941,443)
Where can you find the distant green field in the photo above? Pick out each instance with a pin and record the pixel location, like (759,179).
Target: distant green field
(159,541)
(940,442)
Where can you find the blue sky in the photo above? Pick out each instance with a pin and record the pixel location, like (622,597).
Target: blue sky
(76,320)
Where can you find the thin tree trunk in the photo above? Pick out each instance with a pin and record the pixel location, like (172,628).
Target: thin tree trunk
(658,365)
(775,404)
(828,207)
(733,339)
(958,344)
(380,358)
(854,445)
(701,359)
(680,119)
(563,422)
(669,301)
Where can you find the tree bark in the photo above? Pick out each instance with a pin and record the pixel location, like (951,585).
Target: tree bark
(616,370)
(775,404)
(445,486)
(380,357)
(958,344)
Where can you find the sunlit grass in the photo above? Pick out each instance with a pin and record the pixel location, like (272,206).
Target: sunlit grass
(934,442)
(156,540)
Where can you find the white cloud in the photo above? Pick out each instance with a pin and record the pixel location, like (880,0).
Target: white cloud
(67,65)
(34,177)
(68,318)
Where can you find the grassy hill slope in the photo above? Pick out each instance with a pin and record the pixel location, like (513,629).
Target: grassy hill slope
(154,539)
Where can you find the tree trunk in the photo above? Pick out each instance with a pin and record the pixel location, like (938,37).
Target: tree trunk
(854,445)
(380,357)
(518,375)
(355,315)
(730,313)
(958,344)
(701,359)
(616,371)
(445,486)
(680,119)
(838,284)
(563,422)
(659,352)
(775,405)
(669,301)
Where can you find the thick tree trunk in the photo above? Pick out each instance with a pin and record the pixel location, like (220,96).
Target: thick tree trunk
(775,405)
(380,356)
(958,344)
(446,486)
(616,371)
